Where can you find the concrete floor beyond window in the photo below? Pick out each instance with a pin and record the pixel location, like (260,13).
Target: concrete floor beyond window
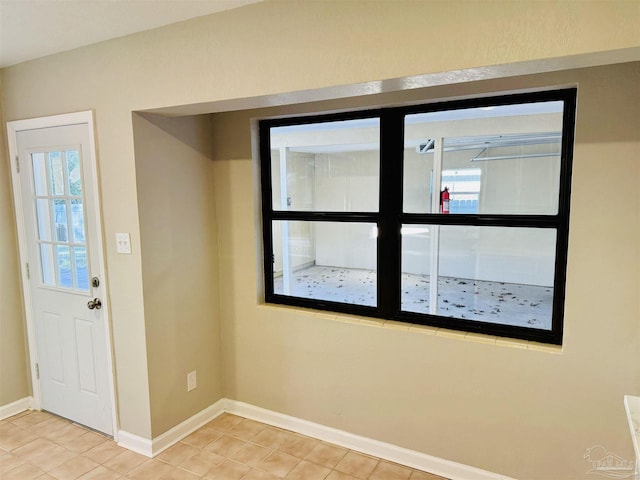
(487,301)
(38,445)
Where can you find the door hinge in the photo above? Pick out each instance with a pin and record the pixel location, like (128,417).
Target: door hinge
(28,271)
(37,371)
(17,164)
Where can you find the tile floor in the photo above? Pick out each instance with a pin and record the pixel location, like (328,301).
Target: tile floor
(487,301)
(38,445)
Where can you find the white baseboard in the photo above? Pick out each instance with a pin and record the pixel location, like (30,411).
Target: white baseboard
(632,408)
(135,443)
(190,425)
(16,407)
(410,458)
(151,448)
(392,453)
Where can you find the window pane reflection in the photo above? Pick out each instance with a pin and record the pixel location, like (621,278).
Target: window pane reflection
(73,173)
(47,264)
(39,173)
(63,257)
(325,261)
(43,218)
(60,218)
(56,173)
(77,221)
(492,274)
(331,166)
(82,274)
(494,160)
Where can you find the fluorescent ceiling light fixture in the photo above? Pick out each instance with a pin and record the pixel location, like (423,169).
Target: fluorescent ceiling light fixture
(513,157)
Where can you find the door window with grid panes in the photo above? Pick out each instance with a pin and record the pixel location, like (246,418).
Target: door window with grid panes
(59,214)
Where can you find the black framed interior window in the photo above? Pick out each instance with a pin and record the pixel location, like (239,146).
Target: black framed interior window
(453,214)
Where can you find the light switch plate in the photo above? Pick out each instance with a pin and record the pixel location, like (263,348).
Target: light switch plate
(192,381)
(123,243)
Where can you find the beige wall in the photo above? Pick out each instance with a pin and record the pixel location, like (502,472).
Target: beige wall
(430,397)
(179,265)
(14,366)
(525,413)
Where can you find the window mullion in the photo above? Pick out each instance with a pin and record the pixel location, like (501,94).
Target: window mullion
(284,228)
(438,152)
(267,210)
(434,262)
(389,223)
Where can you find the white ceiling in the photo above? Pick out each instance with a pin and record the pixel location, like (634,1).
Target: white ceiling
(35,28)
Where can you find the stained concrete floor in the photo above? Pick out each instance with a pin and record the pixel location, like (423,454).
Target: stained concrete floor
(487,301)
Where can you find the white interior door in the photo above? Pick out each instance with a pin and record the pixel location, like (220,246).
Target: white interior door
(55,171)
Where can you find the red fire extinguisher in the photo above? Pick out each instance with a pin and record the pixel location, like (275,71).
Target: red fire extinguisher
(444,200)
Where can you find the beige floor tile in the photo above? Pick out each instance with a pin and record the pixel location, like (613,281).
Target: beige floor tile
(49,426)
(72,469)
(336,475)
(272,437)
(13,436)
(9,461)
(224,422)
(228,470)
(101,473)
(251,454)
(357,465)
(103,452)
(306,470)
(180,474)
(298,445)
(260,475)
(30,419)
(6,427)
(41,446)
(80,443)
(390,471)
(418,475)
(23,472)
(202,462)
(246,429)
(326,454)
(17,415)
(201,438)
(67,433)
(151,470)
(124,462)
(178,453)
(44,454)
(279,463)
(225,446)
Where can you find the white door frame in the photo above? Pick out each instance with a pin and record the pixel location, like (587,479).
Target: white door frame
(45,122)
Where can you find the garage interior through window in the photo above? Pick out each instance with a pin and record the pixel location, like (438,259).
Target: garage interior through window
(453,214)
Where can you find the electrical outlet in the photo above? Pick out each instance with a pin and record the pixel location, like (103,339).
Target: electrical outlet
(192,380)
(123,243)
